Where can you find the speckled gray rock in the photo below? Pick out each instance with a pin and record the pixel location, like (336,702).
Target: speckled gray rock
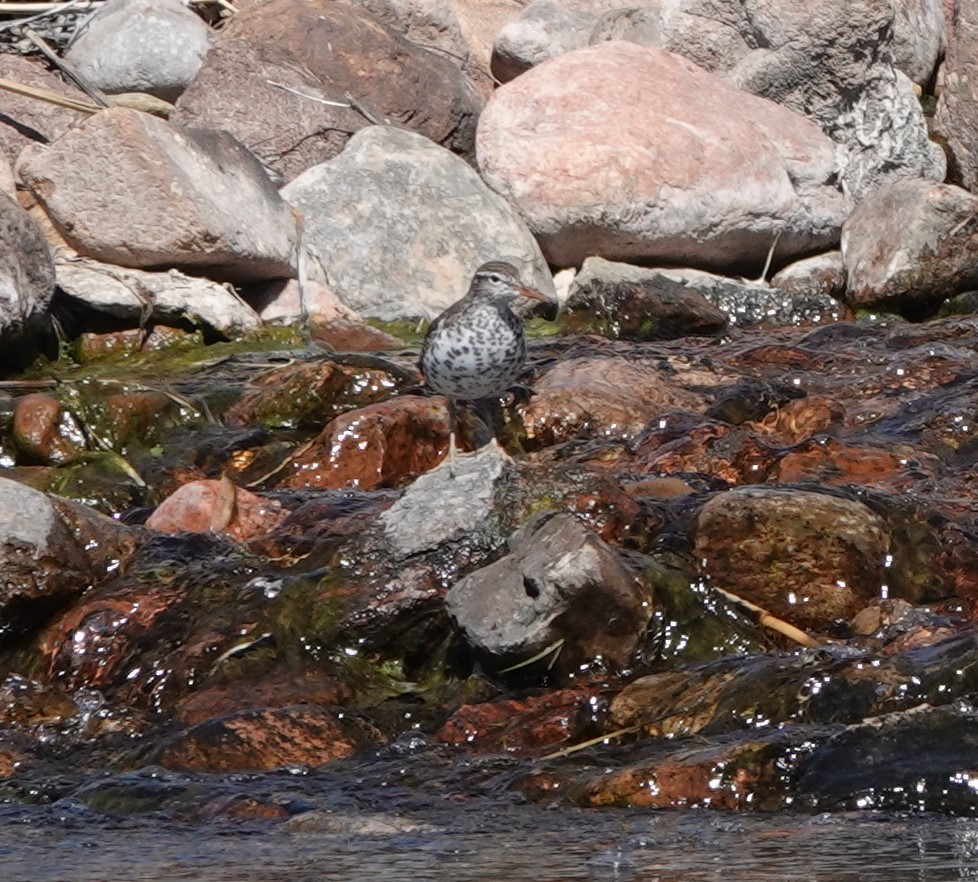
(154,46)
(560,585)
(131,189)
(26,274)
(396,225)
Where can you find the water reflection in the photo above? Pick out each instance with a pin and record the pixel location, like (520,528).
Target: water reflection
(484,841)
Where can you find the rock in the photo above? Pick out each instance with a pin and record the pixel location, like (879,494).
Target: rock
(815,283)
(624,301)
(205,203)
(545,29)
(885,136)
(154,46)
(957,108)
(327,822)
(440,507)
(602,396)
(264,739)
(919,38)
(480,22)
(271,74)
(831,62)
(43,568)
(381,445)
(560,587)
(143,298)
(636,154)
(289,300)
(217,507)
(397,225)
(909,246)
(805,557)
(7,185)
(26,120)
(43,432)
(26,277)
(749,303)
(523,726)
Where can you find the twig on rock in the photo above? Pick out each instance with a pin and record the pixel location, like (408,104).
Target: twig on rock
(49,97)
(766,620)
(292,91)
(67,69)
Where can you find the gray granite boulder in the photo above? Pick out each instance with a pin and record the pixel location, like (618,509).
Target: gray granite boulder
(396,225)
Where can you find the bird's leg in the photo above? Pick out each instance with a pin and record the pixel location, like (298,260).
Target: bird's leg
(452,425)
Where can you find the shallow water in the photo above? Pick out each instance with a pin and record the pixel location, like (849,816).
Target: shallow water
(472,840)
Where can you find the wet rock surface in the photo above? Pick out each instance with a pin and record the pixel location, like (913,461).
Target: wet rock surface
(717,548)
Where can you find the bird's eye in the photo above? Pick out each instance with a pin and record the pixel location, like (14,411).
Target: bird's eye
(495,278)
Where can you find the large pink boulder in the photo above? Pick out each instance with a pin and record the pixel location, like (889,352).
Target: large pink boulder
(633,153)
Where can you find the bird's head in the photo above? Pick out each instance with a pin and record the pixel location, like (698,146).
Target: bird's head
(499,282)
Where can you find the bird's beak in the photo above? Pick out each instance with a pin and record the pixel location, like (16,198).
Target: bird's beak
(533,294)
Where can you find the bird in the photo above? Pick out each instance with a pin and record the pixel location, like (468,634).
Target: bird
(475,349)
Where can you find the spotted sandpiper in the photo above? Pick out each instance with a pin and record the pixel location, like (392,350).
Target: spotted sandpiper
(475,348)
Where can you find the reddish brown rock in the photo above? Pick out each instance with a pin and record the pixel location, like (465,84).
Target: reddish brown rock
(636,154)
(729,777)
(44,433)
(807,558)
(312,392)
(382,445)
(612,396)
(261,740)
(530,726)
(280,44)
(213,506)
(240,807)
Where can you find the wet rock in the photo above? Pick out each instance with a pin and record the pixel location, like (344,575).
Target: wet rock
(909,246)
(381,445)
(138,46)
(241,807)
(957,107)
(440,507)
(436,220)
(623,301)
(528,725)
(193,197)
(609,396)
(559,588)
(741,775)
(216,507)
(805,557)
(28,121)
(26,278)
(25,703)
(815,284)
(143,297)
(747,302)
(546,143)
(44,569)
(268,74)
(310,393)
(43,432)
(265,739)
(904,762)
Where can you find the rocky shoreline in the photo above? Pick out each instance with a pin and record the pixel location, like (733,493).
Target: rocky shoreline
(732,557)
